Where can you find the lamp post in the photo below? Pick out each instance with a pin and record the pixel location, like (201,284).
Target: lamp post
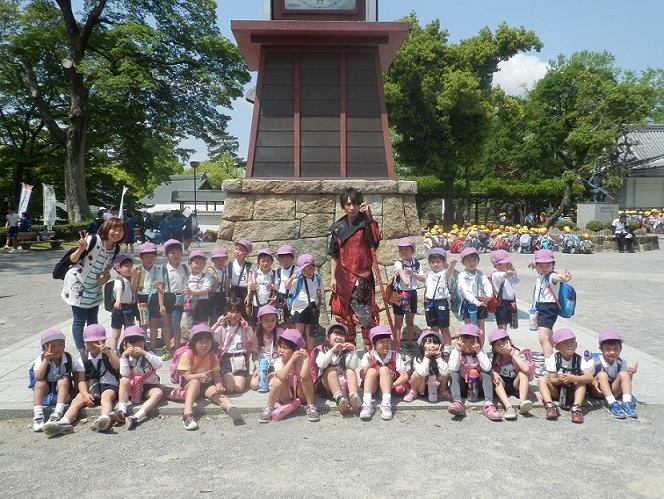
(194,165)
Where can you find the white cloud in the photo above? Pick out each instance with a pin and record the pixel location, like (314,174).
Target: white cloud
(520,70)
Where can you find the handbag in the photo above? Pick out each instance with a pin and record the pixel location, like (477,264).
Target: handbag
(136,387)
(391,293)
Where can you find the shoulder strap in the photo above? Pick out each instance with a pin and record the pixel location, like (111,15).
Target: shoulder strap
(559,361)
(109,366)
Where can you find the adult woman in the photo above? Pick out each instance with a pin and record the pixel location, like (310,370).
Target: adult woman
(85,279)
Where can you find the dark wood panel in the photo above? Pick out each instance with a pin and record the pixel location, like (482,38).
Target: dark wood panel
(316,139)
(277,91)
(271,107)
(316,76)
(319,154)
(274,155)
(361,92)
(368,170)
(320,123)
(279,60)
(323,92)
(320,108)
(266,170)
(320,170)
(283,123)
(364,139)
(362,108)
(360,60)
(365,154)
(274,139)
(319,60)
(283,76)
(364,124)
(361,76)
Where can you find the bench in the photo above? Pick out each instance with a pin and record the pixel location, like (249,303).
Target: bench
(48,237)
(26,239)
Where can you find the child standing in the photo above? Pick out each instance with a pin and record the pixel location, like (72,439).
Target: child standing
(199,367)
(568,377)
(430,372)
(219,273)
(475,289)
(286,257)
(544,296)
(612,376)
(291,369)
(381,367)
(124,289)
(52,372)
(503,278)
(149,290)
(235,345)
(238,271)
(175,277)
(267,332)
(306,290)
(407,272)
(137,365)
(510,373)
(468,356)
(263,284)
(198,288)
(13,220)
(97,382)
(437,296)
(333,369)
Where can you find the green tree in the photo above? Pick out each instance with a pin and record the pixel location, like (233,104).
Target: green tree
(121,83)
(440,100)
(224,167)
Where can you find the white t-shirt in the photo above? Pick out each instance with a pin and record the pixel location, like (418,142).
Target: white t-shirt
(436,286)
(401,265)
(199,281)
(542,291)
(55,372)
(176,278)
(149,363)
(499,278)
(473,286)
(263,294)
(398,360)
(610,369)
(302,299)
(106,376)
(550,364)
(13,219)
(148,278)
(233,338)
(124,291)
(239,274)
(422,367)
(283,274)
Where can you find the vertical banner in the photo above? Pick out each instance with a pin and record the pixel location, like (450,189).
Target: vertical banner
(26,192)
(49,206)
(120,211)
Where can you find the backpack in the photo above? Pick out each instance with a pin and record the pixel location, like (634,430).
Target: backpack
(576,364)
(298,288)
(61,268)
(595,356)
(68,370)
(91,371)
(109,294)
(529,360)
(456,246)
(176,376)
(566,299)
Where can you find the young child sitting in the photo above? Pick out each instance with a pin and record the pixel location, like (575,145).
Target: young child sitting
(267,333)
(430,373)
(612,376)
(333,369)
(510,373)
(568,377)
(52,373)
(137,365)
(199,367)
(381,367)
(475,290)
(468,356)
(291,369)
(124,289)
(96,374)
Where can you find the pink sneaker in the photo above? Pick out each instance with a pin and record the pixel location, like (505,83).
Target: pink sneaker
(410,396)
(491,412)
(457,408)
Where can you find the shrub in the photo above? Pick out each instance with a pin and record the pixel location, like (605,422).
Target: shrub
(596,225)
(566,223)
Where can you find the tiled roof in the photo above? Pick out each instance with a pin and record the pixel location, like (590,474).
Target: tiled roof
(163,193)
(647,150)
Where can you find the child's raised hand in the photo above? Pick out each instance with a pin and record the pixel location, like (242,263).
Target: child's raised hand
(134,271)
(348,347)
(338,347)
(458,347)
(48,353)
(243,323)
(82,241)
(531,266)
(477,348)
(632,369)
(566,276)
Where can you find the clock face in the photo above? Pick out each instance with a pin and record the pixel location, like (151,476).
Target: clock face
(336,5)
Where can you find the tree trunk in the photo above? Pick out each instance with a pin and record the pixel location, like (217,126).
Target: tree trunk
(448,197)
(564,203)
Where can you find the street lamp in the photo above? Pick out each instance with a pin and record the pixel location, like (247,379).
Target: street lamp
(194,165)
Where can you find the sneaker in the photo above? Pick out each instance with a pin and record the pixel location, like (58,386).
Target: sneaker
(617,411)
(234,413)
(367,411)
(410,396)
(629,408)
(265,416)
(131,422)
(167,355)
(57,428)
(102,423)
(118,417)
(355,402)
(37,424)
(56,416)
(510,414)
(457,408)
(551,411)
(577,415)
(342,404)
(312,413)
(491,412)
(525,407)
(189,422)
(386,411)
(13,250)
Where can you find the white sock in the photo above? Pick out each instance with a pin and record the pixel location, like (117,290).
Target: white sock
(38,411)
(140,415)
(366,398)
(627,398)
(387,398)
(610,399)
(337,395)
(122,406)
(60,408)
(64,421)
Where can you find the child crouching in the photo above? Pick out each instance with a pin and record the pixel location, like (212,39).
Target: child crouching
(430,372)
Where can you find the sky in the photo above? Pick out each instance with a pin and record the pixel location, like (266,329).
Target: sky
(631,31)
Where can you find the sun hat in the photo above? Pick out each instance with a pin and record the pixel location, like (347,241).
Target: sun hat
(120,259)
(266,252)
(134,332)
(294,336)
(609,336)
(497,334)
(51,335)
(171,242)
(266,310)
(404,242)
(437,251)
(94,333)
(378,331)
(429,332)
(544,256)
(218,252)
(563,335)
(197,330)
(500,256)
(246,243)
(286,249)
(335,325)
(470,250)
(147,248)
(196,253)
(304,260)
(469,330)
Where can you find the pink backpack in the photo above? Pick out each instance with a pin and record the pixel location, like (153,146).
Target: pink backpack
(529,360)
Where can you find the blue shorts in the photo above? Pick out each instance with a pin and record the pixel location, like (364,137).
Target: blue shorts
(482,312)
(437,313)
(12,231)
(503,312)
(397,310)
(547,314)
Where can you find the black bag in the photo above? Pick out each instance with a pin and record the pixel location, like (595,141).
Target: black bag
(61,268)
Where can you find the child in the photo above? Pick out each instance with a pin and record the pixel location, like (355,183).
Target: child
(467,356)
(235,345)
(13,220)
(218,271)
(97,382)
(544,296)
(568,376)
(613,377)
(140,366)
(238,271)
(52,372)
(475,290)
(407,272)
(306,290)
(267,333)
(200,369)
(175,276)
(381,366)
(503,278)
(430,372)
(437,296)
(333,369)
(263,284)
(198,288)
(124,288)
(150,290)
(291,368)
(286,257)
(510,373)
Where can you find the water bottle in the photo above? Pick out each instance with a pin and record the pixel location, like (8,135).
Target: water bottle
(285,409)
(432,388)
(343,383)
(263,367)
(473,386)
(472,313)
(532,318)
(187,307)
(564,396)
(405,302)
(143,313)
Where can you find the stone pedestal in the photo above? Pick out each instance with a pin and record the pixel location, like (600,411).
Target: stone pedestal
(603,212)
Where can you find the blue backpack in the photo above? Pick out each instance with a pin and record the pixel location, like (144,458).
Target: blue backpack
(566,299)
(598,363)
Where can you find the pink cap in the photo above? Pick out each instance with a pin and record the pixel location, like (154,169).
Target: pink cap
(336,325)
(264,252)
(378,331)
(172,242)
(497,334)
(147,248)
(304,260)
(286,249)
(120,259)
(266,310)
(218,252)
(94,333)
(500,256)
(404,242)
(428,332)
(51,335)
(469,330)
(196,253)
(563,335)
(544,256)
(197,330)
(470,250)
(437,251)
(134,332)
(246,243)
(294,336)
(609,336)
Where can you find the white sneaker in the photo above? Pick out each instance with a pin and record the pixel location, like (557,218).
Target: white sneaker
(13,250)
(102,423)
(58,428)
(38,424)
(386,411)
(367,411)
